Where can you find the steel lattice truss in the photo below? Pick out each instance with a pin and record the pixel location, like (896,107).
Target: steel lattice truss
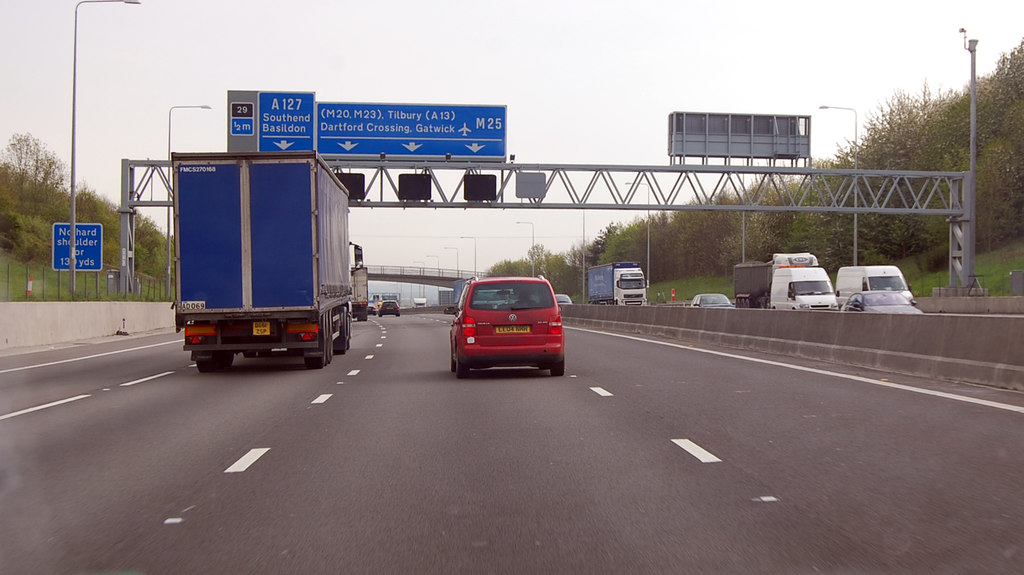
(681,187)
(677,188)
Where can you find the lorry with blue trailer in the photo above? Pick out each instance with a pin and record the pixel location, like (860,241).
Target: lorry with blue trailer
(617,283)
(262,257)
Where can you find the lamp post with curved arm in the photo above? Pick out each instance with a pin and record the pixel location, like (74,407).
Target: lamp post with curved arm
(74,120)
(856,153)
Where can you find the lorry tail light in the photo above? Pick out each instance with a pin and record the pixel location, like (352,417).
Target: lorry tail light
(197,333)
(200,329)
(555,325)
(468,327)
(304,331)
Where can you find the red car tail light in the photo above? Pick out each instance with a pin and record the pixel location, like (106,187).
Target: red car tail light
(555,325)
(468,327)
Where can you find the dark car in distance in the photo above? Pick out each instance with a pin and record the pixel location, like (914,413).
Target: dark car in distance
(711,300)
(389,307)
(880,302)
(507,322)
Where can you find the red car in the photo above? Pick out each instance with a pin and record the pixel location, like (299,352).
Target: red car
(504,322)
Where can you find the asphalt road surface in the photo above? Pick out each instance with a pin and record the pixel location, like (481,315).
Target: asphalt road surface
(117,456)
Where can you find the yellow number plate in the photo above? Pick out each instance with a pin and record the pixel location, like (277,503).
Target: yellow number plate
(512,329)
(261,328)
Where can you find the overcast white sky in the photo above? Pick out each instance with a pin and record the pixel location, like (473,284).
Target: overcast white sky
(588,82)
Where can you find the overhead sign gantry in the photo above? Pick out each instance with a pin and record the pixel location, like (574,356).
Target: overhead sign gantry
(294,121)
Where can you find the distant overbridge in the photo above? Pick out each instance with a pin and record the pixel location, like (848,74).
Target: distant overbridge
(418,275)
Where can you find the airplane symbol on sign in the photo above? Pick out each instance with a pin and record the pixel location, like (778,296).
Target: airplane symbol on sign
(464,129)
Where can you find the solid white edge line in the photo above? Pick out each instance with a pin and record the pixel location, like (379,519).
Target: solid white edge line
(247,460)
(697,451)
(40,407)
(942,394)
(131,383)
(601,391)
(323,398)
(13,369)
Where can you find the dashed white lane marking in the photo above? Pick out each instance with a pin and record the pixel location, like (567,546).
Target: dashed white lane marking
(766,499)
(173,520)
(369,357)
(383,337)
(131,383)
(380,345)
(40,407)
(247,460)
(177,341)
(697,451)
(601,391)
(354,372)
(882,383)
(323,398)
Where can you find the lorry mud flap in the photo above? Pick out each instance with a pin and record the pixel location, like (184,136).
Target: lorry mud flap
(344,330)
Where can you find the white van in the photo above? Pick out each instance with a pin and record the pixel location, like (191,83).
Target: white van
(802,288)
(853,279)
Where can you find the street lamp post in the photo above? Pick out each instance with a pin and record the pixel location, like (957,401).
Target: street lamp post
(170,209)
(74,117)
(971,196)
(648,274)
(533,264)
(475,270)
(457,268)
(421,273)
(856,153)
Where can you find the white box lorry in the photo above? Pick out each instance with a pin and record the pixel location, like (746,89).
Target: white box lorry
(789,281)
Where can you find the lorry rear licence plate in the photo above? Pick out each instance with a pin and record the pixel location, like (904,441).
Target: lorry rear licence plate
(261,328)
(511,329)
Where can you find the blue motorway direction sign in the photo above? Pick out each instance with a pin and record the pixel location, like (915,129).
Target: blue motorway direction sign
(354,130)
(89,250)
(286,121)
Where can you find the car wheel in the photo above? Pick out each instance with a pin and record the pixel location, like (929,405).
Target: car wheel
(558,369)
(461,370)
(452,361)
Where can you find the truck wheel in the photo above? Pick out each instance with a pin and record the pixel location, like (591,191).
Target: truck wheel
(206,366)
(223,359)
(318,362)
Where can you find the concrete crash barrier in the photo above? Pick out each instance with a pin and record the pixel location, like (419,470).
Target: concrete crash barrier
(976,349)
(45,323)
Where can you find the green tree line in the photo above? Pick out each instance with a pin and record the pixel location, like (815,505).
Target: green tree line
(927,131)
(34,195)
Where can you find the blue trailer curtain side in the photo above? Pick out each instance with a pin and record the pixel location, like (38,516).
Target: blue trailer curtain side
(282,222)
(208,201)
